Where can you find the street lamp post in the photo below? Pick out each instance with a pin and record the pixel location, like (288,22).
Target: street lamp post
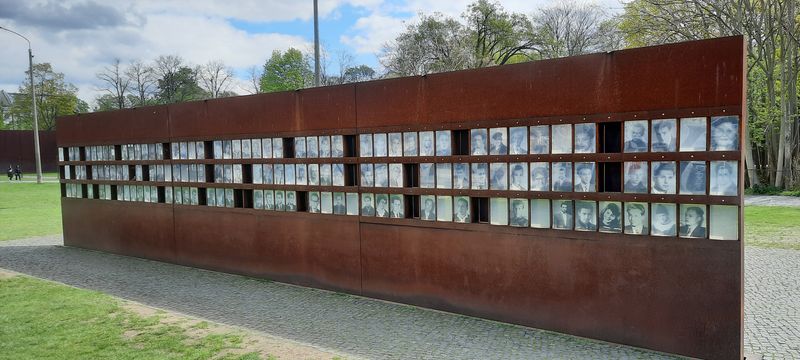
(35,110)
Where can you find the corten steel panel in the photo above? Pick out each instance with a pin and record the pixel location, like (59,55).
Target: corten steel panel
(642,291)
(126,228)
(390,102)
(17,148)
(145,125)
(326,108)
(300,248)
(254,114)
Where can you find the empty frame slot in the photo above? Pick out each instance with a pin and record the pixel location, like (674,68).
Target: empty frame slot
(95,191)
(208,146)
(239,199)
(202,195)
(131,172)
(411,174)
(63,190)
(302,201)
(610,177)
(82,151)
(350,174)
(288,147)
(414,206)
(118,152)
(460,142)
(349,145)
(610,137)
(84,190)
(247,173)
(146,172)
(61,172)
(161,194)
(209,173)
(480,209)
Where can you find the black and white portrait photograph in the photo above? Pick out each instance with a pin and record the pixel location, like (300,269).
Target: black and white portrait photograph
(540,177)
(498,141)
(635,177)
(269,199)
(427,176)
(314,202)
(337,174)
(258,174)
(381,175)
(460,176)
(664,135)
(519,177)
(427,207)
(444,143)
(324,146)
(337,146)
(382,205)
(480,176)
(540,213)
(499,176)
(518,140)
(478,143)
(352,203)
(562,139)
(663,220)
(268,174)
(724,177)
(277,148)
(365,145)
(396,175)
(518,213)
(663,177)
(725,133)
(237,149)
(693,134)
(367,204)
(227,149)
(280,200)
(291,201)
(723,222)
(444,208)
(635,136)
(246,150)
(395,144)
(217,150)
(610,217)
(339,207)
(585,215)
(256,149)
(693,221)
(540,141)
(585,135)
(562,176)
(636,218)
(585,176)
(312,147)
(397,208)
(444,176)
(184,150)
(313,174)
(325,175)
(278,176)
(498,211)
(367,178)
(326,202)
(563,218)
(461,209)
(288,173)
(211,198)
(302,174)
(266,148)
(410,144)
(380,145)
(426,143)
(693,178)
(299,147)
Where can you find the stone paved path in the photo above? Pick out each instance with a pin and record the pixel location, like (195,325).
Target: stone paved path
(771,200)
(352,325)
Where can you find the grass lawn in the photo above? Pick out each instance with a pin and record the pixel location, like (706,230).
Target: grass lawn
(45,320)
(772,226)
(29,209)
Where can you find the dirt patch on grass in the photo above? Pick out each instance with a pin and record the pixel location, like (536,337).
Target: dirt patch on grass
(5,274)
(265,345)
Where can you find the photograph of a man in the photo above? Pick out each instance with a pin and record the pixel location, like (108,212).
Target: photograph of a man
(585,138)
(519,177)
(562,214)
(338,204)
(664,135)
(636,177)
(337,146)
(499,179)
(584,177)
(562,176)
(397,208)
(540,176)
(478,143)
(379,145)
(636,136)
(395,144)
(518,145)
(663,178)
(291,201)
(367,178)
(663,222)
(280,203)
(313,202)
(636,219)
(480,180)
(428,208)
(426,143)
(382,210)
(693,221)
(444,208)
(367,209)
(519,212)
(540,139)
(410,144)
(443,143)
(365,145)
(462,209)
(498,144)
(586,220)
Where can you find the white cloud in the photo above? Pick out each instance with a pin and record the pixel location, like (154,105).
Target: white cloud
(372,32)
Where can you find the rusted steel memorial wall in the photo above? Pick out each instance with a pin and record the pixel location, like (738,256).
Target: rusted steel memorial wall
(597,195)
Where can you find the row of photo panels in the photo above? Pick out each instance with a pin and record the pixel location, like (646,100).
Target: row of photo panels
(322,146)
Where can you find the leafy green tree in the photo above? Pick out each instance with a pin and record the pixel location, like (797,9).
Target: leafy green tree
(358,73)
(496,36)
(286,71)
(435,44)
(54,98)
(180,86)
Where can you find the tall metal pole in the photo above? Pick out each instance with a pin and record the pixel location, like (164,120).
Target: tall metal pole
(316,45)
(36,150)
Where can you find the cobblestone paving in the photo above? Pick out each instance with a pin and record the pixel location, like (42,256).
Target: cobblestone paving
(360,327)
(771,200)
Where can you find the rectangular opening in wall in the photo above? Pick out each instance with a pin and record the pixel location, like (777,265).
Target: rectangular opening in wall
(118,152)
(460,142)
(210,173)
(610,177)
(131,172)
(208,147)
(202,196)
(95,191)
(82,151)
(350,174)
(166,149)
(239,198)
(414,205)
(247,173)
(302,201)
(61,172)
(146,172)
(161,194)
(288,147)
(63,190)
(84,190)
(411,174)
(480,209)
(114,195)
(610,137)
(349,145)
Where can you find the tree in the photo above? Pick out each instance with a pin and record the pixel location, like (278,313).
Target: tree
(434,44)
(569,29)
(496,36)
(105,102)
(215,78)
(176,82)
(142,80)
(286,71)
(358,73)
(116,83)
(254,79)
(54,97)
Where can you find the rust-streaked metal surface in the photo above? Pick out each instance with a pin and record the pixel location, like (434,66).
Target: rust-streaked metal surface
(669,294)
(16,148)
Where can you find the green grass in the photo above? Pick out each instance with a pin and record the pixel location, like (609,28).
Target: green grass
(44,320)
(29,209)
(772,226)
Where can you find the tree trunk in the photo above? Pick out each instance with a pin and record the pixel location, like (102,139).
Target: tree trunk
(749,164)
